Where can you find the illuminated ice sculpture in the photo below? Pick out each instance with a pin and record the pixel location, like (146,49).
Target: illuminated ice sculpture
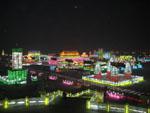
(17,75)
(109,67)
(17,58)
(127,68)
(115,71)
(97,69)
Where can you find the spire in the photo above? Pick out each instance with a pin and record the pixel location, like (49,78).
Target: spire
(97,69)
(128,68)
(3,52)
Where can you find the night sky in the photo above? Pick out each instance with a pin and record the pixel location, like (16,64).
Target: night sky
(54,25)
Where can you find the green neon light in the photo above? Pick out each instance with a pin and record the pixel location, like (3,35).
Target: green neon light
(78,94)
(108,107)
(109,83)
(17,50)
(17,75)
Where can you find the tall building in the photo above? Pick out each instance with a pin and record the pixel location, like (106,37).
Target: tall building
(17,58)
(17,75)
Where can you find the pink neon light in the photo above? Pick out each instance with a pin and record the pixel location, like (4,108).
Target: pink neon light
(114,95)
(52,77)
(135,99)
(80,59)
(53,62)
(67,82)
(117,96)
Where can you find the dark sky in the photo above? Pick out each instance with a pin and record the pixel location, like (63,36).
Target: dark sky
(50,25)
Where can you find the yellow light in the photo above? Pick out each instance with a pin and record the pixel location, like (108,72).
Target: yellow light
(5,104)
(69,53)
(126,108)
(46,101)
(88,104)
(148,110)
(26,102)
(84,54)
(108,107)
